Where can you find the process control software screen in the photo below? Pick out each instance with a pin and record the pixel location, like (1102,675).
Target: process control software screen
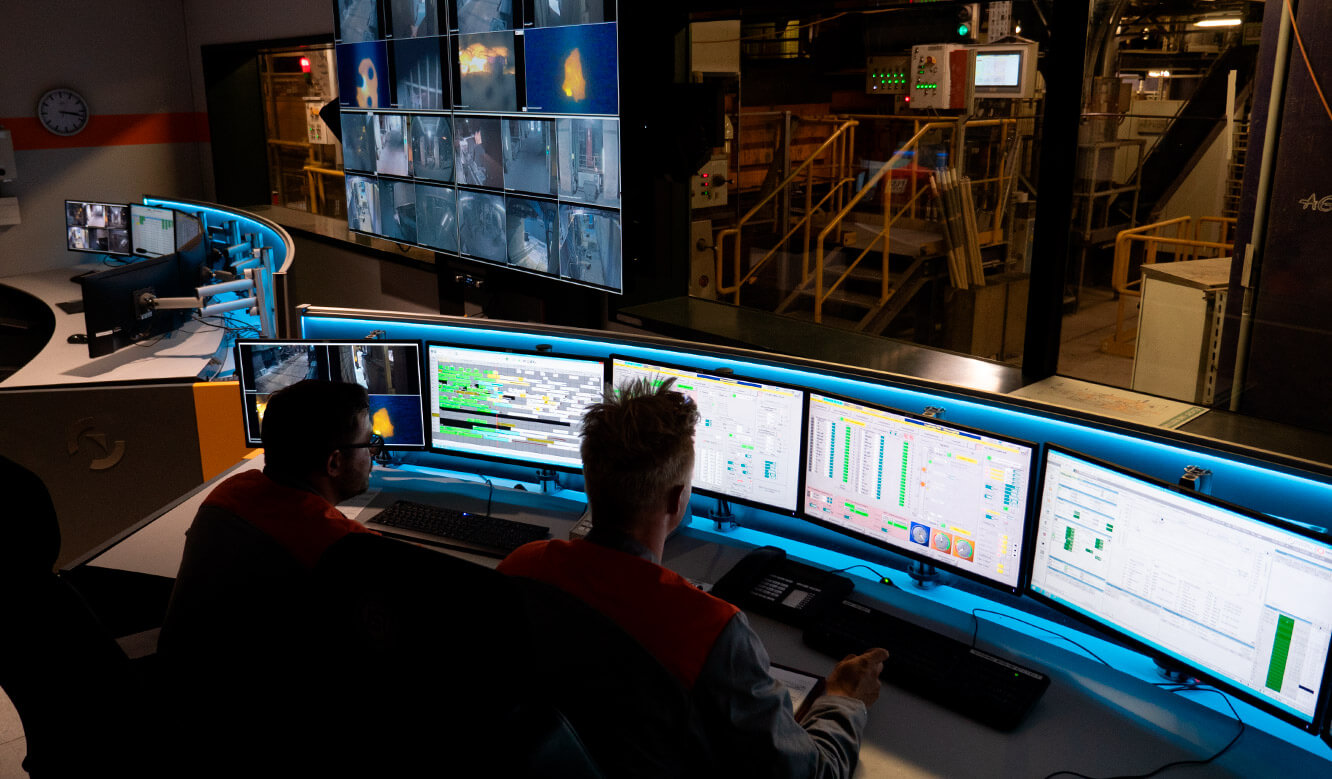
(952,496)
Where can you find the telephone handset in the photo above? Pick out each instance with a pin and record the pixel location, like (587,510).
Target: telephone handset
(766,582)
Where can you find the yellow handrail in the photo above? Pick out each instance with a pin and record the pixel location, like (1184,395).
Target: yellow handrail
(1123,340)
(844,133)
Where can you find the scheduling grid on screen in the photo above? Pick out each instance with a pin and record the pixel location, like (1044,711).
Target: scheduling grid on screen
(1246,601)
(153,230)
(747,442)
(951,496)
(526,407)
(487,129)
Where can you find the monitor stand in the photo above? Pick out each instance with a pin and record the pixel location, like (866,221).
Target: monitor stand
(924,575)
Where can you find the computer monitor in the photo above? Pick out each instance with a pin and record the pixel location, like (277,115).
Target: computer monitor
(1005,70)
(944,494)
(510,406)
(1241,600)
(747,442)
(102,228)
(153,230)
(115,303)
(389,370)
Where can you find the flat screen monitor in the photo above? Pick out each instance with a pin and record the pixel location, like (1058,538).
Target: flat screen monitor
(944,494)
(747,442)
(102,228)
(389,370)
(115,308)
(507,114)
(153,230)
(510,406)
(1236,597)
(1005,71)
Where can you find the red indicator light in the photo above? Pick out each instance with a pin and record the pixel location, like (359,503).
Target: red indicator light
(305,64)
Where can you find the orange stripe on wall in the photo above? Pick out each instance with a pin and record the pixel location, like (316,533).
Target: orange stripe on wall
(111,130)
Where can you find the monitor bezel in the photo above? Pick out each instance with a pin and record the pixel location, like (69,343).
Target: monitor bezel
(1028,507)
(107,252)
(1026,70)
(499,457)
(804,432)
(257,440)
(1319,716)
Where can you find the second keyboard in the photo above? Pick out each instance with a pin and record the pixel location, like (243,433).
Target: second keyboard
(462,529)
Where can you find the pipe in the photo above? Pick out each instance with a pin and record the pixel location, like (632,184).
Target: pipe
(1253,254)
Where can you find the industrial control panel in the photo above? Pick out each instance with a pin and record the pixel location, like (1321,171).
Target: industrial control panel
(708,186)
(940,76)
(887,75)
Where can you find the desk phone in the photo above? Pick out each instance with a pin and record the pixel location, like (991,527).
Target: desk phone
(768,583)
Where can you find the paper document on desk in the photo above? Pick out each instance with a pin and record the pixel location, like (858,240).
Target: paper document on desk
(352,507)
(802,686)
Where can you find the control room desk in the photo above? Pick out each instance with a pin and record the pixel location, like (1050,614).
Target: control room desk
(1093,719)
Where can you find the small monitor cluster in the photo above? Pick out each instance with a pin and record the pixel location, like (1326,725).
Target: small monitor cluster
(1237,598)
(486,129)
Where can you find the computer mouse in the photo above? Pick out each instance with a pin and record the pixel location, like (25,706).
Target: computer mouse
(77,338)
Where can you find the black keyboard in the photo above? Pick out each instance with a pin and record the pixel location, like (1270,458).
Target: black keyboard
(977,685)
(459,529)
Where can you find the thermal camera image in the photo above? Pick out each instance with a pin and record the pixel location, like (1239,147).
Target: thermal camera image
(358,142)
(481,225)
(479,151)
(486,72)
(552,13)
(420,82)
(363,204)
(589,160)
(533,235)
(358,20)
(391,144)
(484,15)
(590,245)
(390,376)
(571,70)
(397,210)
(437,217)
(414,18)
(363,79)
(432,148)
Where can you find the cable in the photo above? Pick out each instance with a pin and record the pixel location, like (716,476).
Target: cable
(882,579)
(975,631)
(1299,39)
(490,494)
(1224,749)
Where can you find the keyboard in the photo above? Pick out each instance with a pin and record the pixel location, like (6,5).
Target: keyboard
(457,529)
(988,689)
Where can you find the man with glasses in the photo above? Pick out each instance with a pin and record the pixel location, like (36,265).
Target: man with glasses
(241,634)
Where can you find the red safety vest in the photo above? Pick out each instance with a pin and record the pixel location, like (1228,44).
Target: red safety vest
(674,620)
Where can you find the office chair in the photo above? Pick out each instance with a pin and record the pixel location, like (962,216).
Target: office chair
(83,706)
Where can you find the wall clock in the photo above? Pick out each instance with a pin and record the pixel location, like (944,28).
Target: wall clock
(63,111)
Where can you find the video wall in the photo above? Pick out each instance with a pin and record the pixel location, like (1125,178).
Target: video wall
(487,129)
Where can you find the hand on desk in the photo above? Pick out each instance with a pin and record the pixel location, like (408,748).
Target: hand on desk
(857,676)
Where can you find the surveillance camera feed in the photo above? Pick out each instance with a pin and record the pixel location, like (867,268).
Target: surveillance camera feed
(390,372)
(486,129)
(97,227)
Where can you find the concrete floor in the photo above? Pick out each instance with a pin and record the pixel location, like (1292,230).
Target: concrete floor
(1080,355)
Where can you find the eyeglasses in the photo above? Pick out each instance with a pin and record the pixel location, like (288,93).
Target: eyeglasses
(375,445)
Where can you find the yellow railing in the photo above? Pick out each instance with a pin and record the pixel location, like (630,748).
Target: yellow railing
(834,223)
(1185,244)
(839,147)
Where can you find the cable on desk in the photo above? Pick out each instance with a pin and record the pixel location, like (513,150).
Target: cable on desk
(975,631)
(1174,687)
(489,494)
(882,579)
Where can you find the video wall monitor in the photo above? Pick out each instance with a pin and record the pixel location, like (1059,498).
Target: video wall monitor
(748,439)
(102,228)
(1005,71)
(500,100)
(511,406)
(1235,597)
(152,230)
(946,495)
(389,370)
(115,303)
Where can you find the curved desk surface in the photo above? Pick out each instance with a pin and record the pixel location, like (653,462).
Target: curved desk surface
(1094,719)
(185,353)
